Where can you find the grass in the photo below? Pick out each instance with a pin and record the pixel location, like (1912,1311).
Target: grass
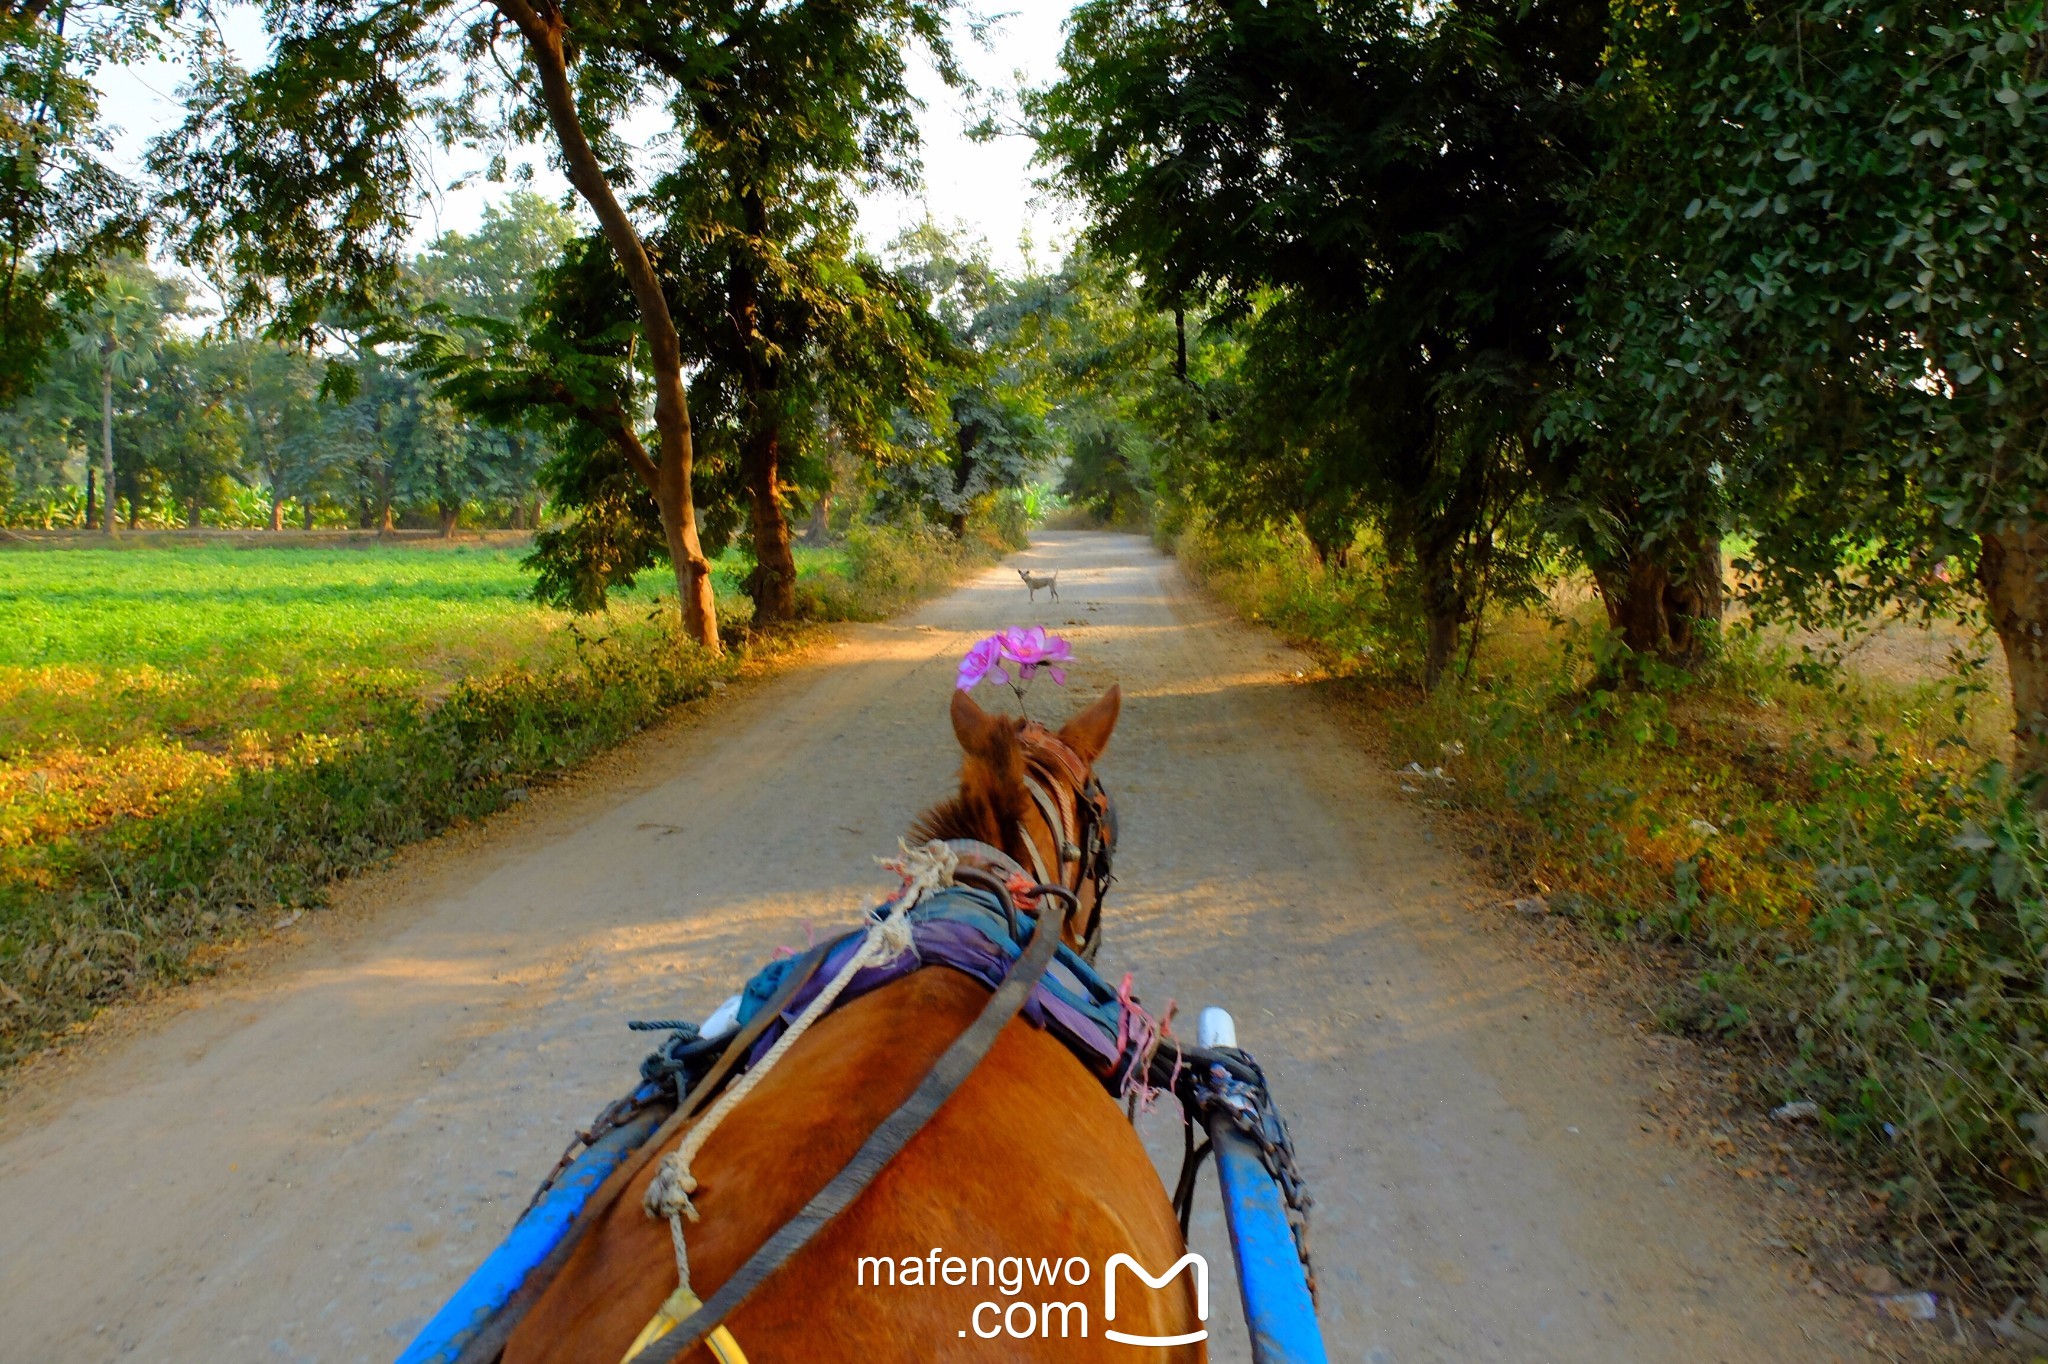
(1853,893)
(194,737)
(132,677)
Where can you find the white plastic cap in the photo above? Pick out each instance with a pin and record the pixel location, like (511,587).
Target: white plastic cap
(724,1019)
(1216,1028)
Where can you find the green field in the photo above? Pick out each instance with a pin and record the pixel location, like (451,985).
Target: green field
(193,738)
(129,677)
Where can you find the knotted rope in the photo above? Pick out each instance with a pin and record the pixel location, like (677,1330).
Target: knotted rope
(923,870)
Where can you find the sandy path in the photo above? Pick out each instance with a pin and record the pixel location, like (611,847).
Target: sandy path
(302,1165)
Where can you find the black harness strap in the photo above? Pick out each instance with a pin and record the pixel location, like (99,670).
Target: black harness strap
(947,1074)
(487,1345)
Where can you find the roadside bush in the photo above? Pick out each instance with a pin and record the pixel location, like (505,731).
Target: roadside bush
(888,566)
(1922,1015)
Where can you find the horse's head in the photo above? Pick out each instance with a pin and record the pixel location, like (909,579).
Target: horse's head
(1032,794)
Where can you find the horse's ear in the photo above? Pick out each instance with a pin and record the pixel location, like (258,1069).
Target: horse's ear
(995,758)
(972,725)
(1088,732)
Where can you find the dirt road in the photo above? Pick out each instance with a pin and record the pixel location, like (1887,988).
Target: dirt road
(301,1165)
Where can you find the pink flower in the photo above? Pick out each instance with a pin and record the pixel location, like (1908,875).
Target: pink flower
(985,659)
(1030,647)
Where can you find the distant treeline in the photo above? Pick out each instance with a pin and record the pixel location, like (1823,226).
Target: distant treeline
(144,419)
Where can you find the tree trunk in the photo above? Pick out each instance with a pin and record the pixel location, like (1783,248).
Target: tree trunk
(1633,592)
(449,516)
(276,509)
(2010,570)
(820,528)
(92,476)
(192,514)
(306,514)
(1695,600)
(773,584)
(1659,614)
(1441,644)
(107,445)
(669,478)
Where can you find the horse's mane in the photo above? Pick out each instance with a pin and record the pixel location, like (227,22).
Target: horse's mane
(953,817)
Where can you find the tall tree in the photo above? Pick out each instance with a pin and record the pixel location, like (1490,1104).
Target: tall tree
(1378,197)
(120,327)
(300,179)
(277,388)
(993,434)
(1826,220)
(803,105)
(63,209)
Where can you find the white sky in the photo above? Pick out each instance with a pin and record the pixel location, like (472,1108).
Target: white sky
(984,185)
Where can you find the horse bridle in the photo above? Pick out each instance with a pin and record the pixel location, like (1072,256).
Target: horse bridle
(1078,810)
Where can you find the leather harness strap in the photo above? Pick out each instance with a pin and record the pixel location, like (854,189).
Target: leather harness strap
(947,1074)
(487,1345)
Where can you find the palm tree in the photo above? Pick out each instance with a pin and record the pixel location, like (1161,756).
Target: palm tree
(118,334)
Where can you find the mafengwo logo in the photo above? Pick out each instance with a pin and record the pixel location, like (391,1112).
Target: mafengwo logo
(1201,1267)
(1048,1312)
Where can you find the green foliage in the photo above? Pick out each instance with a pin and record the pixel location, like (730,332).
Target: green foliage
(1106,474)
(1375,198)
(1861,892)
(63,210)
(1920,1009)
(1818,236)
(888,566)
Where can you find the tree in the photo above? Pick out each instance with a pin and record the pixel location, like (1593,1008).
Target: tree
(63,211)
(1829,219)
(803,105)
(121,327)
(299,179)
(184,435)
(277,391)
(495,271)
(1378,199)
(994,434)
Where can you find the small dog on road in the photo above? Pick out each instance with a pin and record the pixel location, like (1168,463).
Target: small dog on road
(1051,584)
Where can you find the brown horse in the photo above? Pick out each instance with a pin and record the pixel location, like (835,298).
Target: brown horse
(1029,1168)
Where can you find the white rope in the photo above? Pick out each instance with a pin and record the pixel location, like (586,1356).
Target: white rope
(923,870)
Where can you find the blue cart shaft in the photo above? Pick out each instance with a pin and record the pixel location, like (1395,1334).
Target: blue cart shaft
(441,1340)
(1277,1305)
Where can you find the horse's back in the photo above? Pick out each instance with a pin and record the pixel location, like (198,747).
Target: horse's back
(1030,1171)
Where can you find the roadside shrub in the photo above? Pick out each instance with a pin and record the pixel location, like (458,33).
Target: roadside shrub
(1922,1015)
(888,566)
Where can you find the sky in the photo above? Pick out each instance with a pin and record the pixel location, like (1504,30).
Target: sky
(986,186)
